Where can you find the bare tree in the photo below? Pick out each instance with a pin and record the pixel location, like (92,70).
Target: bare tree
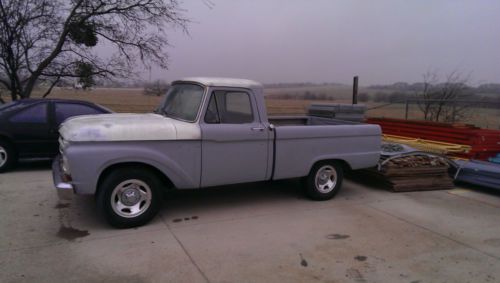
(426,95)
(444,101)
(156,88)
(46,41)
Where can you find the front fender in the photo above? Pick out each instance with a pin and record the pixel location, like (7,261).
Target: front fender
(180,161)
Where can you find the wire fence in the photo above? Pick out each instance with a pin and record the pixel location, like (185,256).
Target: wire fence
(485,114)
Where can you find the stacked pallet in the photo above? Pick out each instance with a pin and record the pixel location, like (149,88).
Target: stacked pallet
(413,172)
(484,143)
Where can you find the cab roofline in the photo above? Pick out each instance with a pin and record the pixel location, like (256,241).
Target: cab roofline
(221,82)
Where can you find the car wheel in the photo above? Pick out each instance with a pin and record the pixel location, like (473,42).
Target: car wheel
(8,156)
(129,197)
(324,180)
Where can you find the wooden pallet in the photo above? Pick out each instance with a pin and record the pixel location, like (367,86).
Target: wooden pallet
(413,173)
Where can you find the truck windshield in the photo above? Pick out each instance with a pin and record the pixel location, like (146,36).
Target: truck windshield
(182,102)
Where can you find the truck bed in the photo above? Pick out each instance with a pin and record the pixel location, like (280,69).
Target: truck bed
(301,141)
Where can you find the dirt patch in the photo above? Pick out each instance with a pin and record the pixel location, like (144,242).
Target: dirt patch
(360,258)
(61,205)
(303,261)
(177,220)
(355,274)
(337,236)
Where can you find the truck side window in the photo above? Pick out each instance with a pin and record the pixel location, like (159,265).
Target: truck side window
(229,108)
(212,115)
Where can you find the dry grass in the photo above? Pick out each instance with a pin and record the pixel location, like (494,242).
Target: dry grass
(116,99)
(132,100)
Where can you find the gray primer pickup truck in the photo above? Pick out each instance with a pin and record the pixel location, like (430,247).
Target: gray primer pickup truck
(206,132)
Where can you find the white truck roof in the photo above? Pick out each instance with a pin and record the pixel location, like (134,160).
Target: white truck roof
(224,82)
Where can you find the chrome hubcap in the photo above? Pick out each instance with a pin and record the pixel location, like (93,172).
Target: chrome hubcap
(3,156)
(131,198)
(326,179)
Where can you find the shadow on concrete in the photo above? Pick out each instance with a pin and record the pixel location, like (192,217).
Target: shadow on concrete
(360,177)
(481,189)
(235,195)
(84,209)
(33,165)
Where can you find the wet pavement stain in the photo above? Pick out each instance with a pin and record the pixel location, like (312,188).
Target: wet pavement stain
(337,236)
(61,205)
(303,261)
(70,233)
(360,258)
(185,219)
(355,274)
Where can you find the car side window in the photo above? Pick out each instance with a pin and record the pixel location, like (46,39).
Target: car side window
(66,110)
(35,114)
(229,107)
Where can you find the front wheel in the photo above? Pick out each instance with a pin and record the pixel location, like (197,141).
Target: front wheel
(324,180)
(129,197)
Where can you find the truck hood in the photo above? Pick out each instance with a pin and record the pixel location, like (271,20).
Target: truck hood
(127,127)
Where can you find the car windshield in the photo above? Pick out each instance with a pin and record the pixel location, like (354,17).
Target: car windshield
(182,102)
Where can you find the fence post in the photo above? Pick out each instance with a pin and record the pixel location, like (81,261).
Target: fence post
(355,90)
(406,110)
(453,111)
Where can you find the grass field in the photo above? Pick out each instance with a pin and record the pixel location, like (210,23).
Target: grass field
(132,100)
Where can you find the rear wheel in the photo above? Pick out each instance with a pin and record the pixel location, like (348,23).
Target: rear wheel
(129,197)
(8,156)
(324,180)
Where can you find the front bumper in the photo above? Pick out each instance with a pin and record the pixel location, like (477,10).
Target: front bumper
(57,176)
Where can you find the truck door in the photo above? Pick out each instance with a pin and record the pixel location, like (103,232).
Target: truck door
(234,140)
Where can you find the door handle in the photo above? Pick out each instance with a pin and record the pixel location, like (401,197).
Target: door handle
(259,129)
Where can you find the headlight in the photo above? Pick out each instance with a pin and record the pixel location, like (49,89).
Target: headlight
(64,161)
(65,165)
(62,145)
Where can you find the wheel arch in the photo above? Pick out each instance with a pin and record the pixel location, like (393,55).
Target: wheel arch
(157,172)
(346,167)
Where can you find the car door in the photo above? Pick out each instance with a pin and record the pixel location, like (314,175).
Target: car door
(30,130)
(234,140)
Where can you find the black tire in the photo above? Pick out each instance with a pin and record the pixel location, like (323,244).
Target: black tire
(317,187)
(119,192)
(8,156)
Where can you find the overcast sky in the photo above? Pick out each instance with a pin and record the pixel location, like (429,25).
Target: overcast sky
(331,41)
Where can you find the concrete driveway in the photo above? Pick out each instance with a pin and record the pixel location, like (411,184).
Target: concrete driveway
(251,233)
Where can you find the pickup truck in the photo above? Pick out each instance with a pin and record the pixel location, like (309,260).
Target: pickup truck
(206,132)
